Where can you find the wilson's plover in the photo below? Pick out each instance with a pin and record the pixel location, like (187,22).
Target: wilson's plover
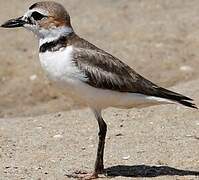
(87,73)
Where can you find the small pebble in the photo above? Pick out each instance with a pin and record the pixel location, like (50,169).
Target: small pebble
(58,115)
(119,134)
(33,77)
(186,68)
(108,137)
(125,157)
(58,136)
(189,135)
(91,145)
(141,151)
(160,162)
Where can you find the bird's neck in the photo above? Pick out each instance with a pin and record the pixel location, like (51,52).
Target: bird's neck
(51,35)
(58,42)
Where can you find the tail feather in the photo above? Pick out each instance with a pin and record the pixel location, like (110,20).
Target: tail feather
(188,104)
(164,93)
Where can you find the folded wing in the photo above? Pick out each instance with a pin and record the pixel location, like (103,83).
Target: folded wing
(107,72)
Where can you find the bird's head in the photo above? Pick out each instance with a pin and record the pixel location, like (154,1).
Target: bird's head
(46,19)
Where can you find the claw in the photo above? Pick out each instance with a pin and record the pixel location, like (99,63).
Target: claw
(82,175)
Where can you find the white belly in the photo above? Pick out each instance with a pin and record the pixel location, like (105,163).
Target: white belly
(61,70)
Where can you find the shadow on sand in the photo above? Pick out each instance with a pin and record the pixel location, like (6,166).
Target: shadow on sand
(147,171)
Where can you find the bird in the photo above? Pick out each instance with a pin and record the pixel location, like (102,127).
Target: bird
(87,73)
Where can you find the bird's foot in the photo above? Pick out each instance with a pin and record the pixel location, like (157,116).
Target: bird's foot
(82,175)
(88,176)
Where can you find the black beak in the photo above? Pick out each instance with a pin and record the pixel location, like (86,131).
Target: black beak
(13,23)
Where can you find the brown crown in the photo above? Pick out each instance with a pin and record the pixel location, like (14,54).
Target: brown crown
(57,12)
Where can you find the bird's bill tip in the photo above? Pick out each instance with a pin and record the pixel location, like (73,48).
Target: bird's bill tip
(13,23)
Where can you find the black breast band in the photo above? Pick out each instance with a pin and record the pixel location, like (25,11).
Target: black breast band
(54,45)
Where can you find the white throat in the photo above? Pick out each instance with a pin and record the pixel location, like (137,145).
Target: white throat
(49,35)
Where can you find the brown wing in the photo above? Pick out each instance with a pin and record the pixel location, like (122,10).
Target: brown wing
(107,72)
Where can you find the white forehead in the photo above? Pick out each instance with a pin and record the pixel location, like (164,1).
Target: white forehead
(41,11)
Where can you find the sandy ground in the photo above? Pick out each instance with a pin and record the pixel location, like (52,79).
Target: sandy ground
(43,137)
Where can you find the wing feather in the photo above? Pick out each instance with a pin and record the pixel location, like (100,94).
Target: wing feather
(105,71)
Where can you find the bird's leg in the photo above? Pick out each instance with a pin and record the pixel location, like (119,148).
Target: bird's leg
(99,163)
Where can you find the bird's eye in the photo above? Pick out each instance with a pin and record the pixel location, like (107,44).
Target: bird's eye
(37,16)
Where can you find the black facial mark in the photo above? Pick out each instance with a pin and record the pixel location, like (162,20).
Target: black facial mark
(33,6)
(37,16)
(29,20)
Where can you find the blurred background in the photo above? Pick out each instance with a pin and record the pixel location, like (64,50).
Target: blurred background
(157,38)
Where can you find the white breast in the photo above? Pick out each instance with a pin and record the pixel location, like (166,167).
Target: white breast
(59,65)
